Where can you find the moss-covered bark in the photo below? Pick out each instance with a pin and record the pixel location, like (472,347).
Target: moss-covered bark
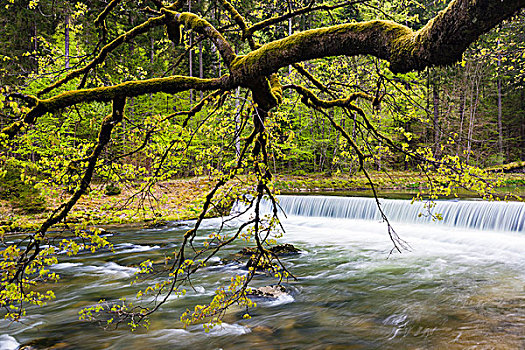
(442,41)
(309,98)
(172,84)
(201,26)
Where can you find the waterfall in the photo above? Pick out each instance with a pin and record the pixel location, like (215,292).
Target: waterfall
(481,215)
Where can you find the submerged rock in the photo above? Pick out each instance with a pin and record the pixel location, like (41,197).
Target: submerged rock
(279,250)
(45,344)
(248,252)
(263,330)
(247,256)
(285,249)
(269,292)
(155,224)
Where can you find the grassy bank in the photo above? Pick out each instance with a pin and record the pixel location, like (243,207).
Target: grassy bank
(182,199)
(173,200)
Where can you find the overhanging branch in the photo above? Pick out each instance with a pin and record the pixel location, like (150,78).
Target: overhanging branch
(172,84)
(203,27)
(440,42)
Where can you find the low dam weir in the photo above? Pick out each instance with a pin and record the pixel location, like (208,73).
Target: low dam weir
(478,215)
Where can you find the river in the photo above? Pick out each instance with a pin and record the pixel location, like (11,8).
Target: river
(460,286)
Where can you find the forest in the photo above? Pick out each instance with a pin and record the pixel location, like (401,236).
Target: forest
(118,98)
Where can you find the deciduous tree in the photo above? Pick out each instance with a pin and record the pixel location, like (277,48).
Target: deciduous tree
(254,65)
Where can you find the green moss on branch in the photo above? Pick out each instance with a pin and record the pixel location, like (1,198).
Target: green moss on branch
(309,98)
(374,37)
(100,20)
(440,42)
(172,84)
(201,26)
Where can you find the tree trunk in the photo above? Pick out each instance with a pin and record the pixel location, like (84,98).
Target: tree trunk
(462,101)
(435,98)
(201,68)
(191,55)
(473,107)
(289,31)
(35,46)
(522,129)
(66,40)
(152,50)
(500,128)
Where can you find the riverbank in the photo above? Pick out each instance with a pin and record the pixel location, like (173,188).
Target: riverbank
(395,185)
(166,201)
(182,199)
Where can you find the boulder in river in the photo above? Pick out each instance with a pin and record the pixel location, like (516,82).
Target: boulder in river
(269,292)
(155,224)
(45,344)
(249,252)
(284,249)
(279,250)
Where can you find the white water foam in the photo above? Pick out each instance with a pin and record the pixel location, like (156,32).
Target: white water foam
(116,269)
(439,241)
(168,334)
(133,248)
(8,342)
(109,268)
(479,215)
(66,266)
(280,300)
(228,329)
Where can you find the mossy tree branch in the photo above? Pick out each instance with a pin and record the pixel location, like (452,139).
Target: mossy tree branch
(173,84)
(316,82)
(140,29)
(100,21)
(309,98)
(440,42)
(241,22)
(303,10)
(201,26)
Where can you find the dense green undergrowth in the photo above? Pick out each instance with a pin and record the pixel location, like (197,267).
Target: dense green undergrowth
(22,196)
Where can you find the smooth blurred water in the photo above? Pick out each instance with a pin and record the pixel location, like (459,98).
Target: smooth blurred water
(481,215)
(458,288)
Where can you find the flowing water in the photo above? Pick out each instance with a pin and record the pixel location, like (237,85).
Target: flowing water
(462,285)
